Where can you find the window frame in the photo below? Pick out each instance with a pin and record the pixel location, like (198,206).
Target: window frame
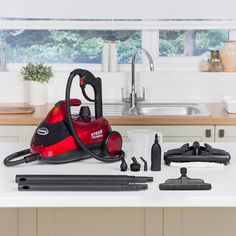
(150,38)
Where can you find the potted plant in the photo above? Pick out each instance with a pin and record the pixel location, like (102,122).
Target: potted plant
(37,76)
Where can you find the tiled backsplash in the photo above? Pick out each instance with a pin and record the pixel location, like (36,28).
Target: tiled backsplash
(160,86)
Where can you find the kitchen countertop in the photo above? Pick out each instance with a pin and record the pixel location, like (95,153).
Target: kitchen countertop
(218,117)
(222,194)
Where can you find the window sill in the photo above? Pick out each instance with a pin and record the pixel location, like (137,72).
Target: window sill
(148,74)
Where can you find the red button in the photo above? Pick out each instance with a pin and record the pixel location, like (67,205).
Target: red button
(81,81)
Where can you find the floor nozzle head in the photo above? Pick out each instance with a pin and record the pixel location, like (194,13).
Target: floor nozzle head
(184,183)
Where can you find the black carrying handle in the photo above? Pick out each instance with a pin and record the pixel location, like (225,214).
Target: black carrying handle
(87,78)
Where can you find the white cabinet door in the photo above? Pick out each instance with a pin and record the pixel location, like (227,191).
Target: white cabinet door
(16,133)
(225,133)
(174,133)
(9,133)
(26,133)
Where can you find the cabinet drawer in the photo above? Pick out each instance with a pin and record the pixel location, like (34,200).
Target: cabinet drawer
(9,133)
(225,133)
(16,133)
(174,133)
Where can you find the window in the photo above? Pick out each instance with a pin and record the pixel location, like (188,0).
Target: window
(67,46)
(174,43)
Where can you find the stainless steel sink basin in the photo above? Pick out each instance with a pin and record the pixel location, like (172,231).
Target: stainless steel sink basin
(155,109)
(169,109)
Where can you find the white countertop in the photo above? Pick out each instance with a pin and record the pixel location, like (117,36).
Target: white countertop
(223,180)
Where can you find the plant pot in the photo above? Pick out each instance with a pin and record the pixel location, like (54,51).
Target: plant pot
(228,56)
(37,93)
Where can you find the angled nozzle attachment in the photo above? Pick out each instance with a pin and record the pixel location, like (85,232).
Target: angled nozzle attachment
(145,164)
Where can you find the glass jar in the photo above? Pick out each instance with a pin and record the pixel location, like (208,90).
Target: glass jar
(228,56)
(215,62)
(204,65)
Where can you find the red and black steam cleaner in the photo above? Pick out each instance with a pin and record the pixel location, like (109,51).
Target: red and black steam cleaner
(65,137)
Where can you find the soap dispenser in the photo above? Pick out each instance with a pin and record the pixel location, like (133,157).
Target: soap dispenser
(156,155)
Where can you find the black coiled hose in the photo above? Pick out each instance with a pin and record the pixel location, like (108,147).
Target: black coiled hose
(8,161)
(109,159)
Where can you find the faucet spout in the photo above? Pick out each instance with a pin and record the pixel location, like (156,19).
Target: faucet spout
(133,95)
(132,99)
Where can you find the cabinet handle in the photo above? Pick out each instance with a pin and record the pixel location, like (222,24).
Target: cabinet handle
(208,133)
(221,133)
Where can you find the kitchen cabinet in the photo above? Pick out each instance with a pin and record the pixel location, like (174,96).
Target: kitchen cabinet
(18,221)
(225,133)
(171,133)
(199,221)
(16,133)
(99,221)
(81,221)
(174,133)
(9,221)
(153,221)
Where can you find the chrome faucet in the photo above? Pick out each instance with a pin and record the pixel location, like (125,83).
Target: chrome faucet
(133,95)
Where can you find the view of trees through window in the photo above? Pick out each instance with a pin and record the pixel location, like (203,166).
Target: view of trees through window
(190,42)
(67,46)
(85,46)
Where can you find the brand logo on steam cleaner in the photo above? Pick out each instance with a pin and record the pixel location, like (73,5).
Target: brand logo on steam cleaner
(42,131)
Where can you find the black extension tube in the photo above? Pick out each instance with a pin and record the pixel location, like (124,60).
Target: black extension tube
(84,178)
(73,187)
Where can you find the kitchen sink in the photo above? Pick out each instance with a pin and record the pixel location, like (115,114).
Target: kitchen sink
(154,109)
(169,109)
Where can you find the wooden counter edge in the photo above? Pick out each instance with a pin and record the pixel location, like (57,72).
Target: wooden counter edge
(218,117)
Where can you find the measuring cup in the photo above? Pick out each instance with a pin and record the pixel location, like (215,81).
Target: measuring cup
(142,141)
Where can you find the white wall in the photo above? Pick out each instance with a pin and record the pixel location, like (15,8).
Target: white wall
(119,9)
(160,86)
